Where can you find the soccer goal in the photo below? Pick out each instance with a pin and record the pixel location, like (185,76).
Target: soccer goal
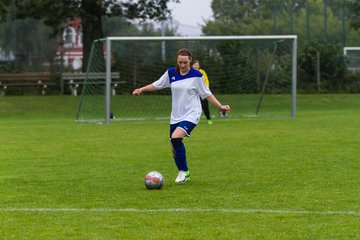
(255,75)
(352,55)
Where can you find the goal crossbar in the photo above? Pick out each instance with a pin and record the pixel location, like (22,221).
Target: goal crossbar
(189,38)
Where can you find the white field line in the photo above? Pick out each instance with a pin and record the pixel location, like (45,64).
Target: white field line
(184,210)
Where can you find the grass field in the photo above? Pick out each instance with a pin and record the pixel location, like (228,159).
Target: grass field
(263,178)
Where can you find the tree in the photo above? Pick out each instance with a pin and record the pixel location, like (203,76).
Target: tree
(319,25)
(56,13)
(354,9)
(307,19)
(26,41)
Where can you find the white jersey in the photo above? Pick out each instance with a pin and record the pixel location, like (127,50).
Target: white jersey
(186,92)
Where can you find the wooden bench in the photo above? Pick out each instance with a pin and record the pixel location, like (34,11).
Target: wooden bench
(40,79)
(74,80)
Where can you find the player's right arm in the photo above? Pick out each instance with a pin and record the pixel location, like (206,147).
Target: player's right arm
(147,88)
(163,82)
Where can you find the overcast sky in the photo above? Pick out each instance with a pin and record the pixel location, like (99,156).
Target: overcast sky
(190,14)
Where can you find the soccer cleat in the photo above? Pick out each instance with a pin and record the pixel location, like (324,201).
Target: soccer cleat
(210,122)
(182,177)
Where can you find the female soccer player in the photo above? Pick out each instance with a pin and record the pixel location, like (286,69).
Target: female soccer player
(187,86)
(204,102)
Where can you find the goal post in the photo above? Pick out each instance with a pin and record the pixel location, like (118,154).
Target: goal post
(256,75)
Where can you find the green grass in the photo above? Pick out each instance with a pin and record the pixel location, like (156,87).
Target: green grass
(305,169)
(158,105)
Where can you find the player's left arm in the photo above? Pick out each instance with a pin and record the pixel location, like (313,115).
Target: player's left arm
(216,102)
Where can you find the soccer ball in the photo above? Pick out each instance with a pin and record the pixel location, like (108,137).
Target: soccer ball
(154,180)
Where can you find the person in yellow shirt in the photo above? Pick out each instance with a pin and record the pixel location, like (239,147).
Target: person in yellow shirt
(204,102)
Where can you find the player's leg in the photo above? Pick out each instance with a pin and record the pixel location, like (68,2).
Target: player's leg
(179,152)
(177,133)
(205,108)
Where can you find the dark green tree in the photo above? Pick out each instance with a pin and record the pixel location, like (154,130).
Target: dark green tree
(354,9)
(319,25)
(26,40)
(56,13)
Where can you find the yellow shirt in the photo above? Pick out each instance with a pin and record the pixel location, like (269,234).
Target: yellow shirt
(205,77)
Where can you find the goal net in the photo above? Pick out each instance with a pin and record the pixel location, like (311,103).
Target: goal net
(255,75)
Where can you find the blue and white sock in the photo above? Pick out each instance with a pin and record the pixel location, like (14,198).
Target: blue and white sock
(179,154)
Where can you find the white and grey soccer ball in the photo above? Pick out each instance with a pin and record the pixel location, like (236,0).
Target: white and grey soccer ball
(154,180)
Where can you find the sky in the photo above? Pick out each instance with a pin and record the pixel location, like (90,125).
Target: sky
(190,15)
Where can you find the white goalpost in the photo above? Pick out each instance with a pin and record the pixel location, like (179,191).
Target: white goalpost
(256,75)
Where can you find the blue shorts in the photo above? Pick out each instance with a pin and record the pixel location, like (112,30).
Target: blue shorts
(184,125)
